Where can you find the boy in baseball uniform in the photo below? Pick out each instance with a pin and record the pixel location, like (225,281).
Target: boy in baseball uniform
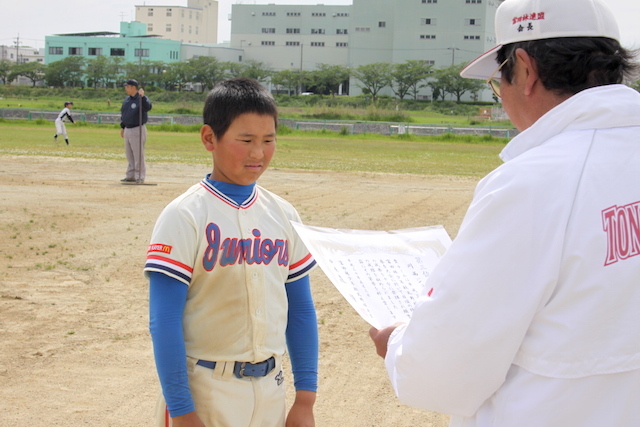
(229,284)
(61,129)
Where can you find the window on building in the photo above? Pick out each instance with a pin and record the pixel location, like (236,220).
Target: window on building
(141,53)
(382,24)
(342,31)
(150,11)
(472,37)
(317,31)
(318,14)
(472,21)
(341,14)
(268,31)
(342,44)
(293,30)
(181,13)
(190,15)
(95,51)
(429,1)
(268,14)
(149,27)
(474,1)
(317,44)
(293,13)
(292,43)
(196,30)
(427,36)
(168,28)
(189,32)
(116,51)
(268,43)
(169,12)
(197,16)
(362,29)
(182,28)
(55,50)
(428,21)
(75,51)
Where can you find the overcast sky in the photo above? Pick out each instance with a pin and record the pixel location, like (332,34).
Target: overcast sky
(32,20)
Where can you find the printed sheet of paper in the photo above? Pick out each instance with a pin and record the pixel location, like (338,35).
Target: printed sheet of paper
(380,273)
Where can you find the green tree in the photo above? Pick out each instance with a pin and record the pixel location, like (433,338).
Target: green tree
(256,70)
(207,71)
(115,70)
(66,72)
(327,78)
(177,74)
(289,79)
(409,77)
(140,71)
(374,77)
(5,70)
(451,82)
(233,69)
(34,71)
(97,71)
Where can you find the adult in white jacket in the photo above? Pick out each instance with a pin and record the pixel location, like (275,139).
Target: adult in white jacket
(534,320)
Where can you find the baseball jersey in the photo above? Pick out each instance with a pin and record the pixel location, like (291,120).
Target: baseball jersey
(235,258)
(65,113)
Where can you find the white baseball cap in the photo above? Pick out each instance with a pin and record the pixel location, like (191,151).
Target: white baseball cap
(524,20)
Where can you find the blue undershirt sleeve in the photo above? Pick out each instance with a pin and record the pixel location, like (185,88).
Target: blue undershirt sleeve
(302,335)
(167,299)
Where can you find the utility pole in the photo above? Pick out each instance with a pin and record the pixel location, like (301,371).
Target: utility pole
(300,91)
(17,49)
(453,54)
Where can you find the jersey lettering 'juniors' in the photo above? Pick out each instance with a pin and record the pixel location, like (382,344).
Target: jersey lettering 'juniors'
(235,260)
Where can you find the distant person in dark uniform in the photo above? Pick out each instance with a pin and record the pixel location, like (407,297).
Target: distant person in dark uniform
(133,117)
(61,129)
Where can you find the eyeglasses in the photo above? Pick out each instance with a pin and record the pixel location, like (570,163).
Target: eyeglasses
(494,82)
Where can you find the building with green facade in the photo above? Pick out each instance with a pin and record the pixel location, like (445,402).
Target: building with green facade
(132,43)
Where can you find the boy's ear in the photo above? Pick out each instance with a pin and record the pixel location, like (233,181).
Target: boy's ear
(207,136)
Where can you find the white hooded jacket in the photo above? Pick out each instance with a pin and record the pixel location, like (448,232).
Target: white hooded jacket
(535,315)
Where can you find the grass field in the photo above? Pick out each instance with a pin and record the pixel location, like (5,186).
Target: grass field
(446,155)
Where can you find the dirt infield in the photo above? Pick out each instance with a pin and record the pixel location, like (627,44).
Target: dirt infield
(74,342)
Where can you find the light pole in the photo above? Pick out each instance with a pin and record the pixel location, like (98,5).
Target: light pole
(453,53)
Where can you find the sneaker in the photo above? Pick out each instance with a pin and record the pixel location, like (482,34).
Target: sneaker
(140,181)
(128,180)
(55,138)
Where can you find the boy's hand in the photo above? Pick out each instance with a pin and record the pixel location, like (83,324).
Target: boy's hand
(187,420)
(301,412)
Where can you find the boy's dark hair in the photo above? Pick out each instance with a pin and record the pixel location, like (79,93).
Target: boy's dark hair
(231,98)
(572,64)
(68,103)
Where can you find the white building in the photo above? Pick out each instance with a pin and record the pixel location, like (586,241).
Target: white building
(442,32)
(195,23)
(22,54)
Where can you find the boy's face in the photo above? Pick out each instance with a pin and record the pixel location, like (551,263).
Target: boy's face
(244,152)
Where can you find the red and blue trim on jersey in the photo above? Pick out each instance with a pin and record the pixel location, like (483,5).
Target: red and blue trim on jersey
(171,267)
(300,268)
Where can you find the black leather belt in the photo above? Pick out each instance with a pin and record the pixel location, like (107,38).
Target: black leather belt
(246,369)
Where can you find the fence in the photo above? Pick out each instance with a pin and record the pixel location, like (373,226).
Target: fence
(344,126)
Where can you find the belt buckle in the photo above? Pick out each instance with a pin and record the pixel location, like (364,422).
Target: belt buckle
(238,369)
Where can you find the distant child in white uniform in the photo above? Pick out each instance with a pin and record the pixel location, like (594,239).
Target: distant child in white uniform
(61,129)
(229,284)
